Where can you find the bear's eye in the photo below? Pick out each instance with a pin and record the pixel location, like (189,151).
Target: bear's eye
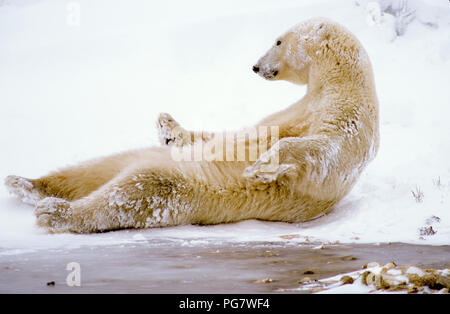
(278,42)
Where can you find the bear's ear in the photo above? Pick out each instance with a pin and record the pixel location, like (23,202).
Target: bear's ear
(322,34)
(322,31)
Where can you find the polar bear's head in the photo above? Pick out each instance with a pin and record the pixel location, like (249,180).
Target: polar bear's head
(291,55)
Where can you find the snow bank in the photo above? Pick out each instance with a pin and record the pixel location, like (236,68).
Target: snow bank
(375,278)
(72,92)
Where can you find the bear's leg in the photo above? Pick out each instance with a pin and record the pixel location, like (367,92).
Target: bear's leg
(73,182)
(171,133)
(135,199)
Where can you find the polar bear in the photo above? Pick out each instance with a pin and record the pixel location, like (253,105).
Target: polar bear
(323,142)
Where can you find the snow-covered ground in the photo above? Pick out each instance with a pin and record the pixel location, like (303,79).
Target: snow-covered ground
(74,87)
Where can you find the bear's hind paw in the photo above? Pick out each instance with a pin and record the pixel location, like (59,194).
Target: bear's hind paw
(54,214)
(23,189)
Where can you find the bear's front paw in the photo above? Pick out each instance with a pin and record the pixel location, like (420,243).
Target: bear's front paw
(170,132)
(54,214)
(266,173)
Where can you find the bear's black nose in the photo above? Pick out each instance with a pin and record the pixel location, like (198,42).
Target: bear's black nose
(275,73)
(255,69)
